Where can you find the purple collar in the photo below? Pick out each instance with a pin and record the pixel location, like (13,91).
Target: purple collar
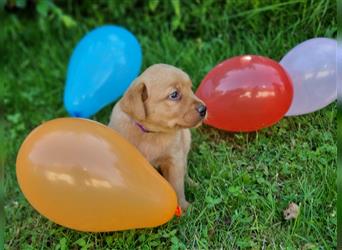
(142,128)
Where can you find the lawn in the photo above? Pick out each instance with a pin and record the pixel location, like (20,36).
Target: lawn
(245,180)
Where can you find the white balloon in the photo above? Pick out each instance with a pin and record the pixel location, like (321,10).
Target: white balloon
(312,68)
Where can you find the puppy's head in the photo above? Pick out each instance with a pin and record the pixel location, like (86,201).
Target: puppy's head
(162,100)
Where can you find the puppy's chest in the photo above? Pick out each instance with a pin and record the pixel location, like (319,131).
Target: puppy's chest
(153,149)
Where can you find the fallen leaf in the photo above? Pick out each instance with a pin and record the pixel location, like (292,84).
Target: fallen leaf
(292,211)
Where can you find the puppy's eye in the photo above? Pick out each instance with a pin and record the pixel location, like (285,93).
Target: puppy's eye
(174,96)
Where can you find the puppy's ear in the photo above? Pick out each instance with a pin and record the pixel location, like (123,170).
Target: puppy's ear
(132,102)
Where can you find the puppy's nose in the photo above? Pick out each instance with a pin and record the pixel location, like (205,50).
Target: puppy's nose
(202,110)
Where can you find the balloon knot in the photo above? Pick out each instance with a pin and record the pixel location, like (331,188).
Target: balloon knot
(76,114)
(178,211)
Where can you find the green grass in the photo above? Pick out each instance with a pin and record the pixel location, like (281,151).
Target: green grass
(246,179)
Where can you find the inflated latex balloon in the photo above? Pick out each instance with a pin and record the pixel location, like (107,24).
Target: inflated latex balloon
(102,66)
(246,93)
(312,67)
(83,175)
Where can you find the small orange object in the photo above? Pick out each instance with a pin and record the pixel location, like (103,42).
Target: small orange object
(178,211)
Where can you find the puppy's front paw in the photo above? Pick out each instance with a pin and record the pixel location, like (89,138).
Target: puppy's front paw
(191,182)
(184,205)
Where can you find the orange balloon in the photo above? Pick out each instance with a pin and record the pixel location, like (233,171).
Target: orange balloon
(85,176)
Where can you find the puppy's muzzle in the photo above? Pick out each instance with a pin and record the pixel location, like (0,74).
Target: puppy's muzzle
(202,110)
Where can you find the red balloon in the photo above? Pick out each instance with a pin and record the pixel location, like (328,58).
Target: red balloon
(246,93)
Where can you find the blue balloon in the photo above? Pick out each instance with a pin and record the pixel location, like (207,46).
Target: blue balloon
(101,68)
